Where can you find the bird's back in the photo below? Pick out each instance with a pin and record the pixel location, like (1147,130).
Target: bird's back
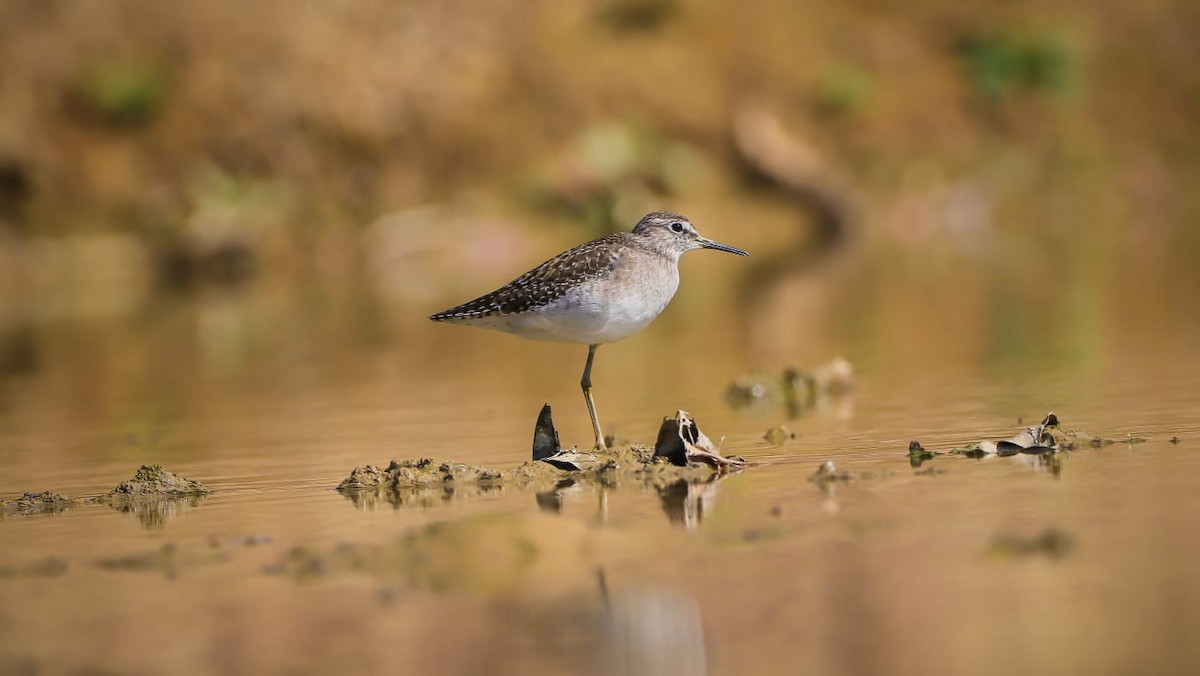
(544,284)
(597,292)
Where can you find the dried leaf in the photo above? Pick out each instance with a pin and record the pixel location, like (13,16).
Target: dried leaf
(680,441)
(545,437)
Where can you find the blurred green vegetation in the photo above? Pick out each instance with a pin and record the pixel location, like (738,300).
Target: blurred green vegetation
(606,167)
(121,94)
(1001,65)
(843,89)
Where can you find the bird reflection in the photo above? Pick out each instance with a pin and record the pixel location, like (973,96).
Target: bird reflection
(651,631)
(685,501)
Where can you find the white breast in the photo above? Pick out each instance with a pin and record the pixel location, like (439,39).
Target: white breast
(603,311)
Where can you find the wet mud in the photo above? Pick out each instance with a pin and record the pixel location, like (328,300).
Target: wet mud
(153,494)
(37,503)
(681,455)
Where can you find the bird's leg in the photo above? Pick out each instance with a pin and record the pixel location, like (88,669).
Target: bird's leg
(586,383)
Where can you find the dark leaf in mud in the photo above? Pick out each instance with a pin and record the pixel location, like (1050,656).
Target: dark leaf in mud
(1007,448)
(1034,436)
(545,437)
(669,445)
(1031,440)
(680,441)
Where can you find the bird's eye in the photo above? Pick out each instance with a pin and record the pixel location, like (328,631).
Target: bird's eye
(677,227)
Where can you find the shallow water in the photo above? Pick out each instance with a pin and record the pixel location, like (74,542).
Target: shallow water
(271,395)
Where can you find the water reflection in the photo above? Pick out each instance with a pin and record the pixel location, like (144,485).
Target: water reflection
(51,566)
(19,350)
(170,560)
(552,500)
(156,513)
(686,503)
(20,355)
(153,512)
(30,504)
(654,631)
(685,500)
(416,496)
(828,388)
(284,382)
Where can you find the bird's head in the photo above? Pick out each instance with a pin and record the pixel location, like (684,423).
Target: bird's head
(674,235)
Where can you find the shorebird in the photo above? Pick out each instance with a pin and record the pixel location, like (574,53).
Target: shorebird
(596,293)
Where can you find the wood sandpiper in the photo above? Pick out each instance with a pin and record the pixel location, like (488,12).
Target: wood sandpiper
(595,293)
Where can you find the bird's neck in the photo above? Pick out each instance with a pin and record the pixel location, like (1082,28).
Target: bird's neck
(657,247)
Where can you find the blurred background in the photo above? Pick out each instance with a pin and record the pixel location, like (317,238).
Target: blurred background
(223,225)
(327,174)
(245,192)
(148,149)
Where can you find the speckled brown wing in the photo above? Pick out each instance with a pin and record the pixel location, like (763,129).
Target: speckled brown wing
(544,284)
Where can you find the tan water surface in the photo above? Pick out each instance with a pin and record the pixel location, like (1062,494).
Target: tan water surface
(271,394)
